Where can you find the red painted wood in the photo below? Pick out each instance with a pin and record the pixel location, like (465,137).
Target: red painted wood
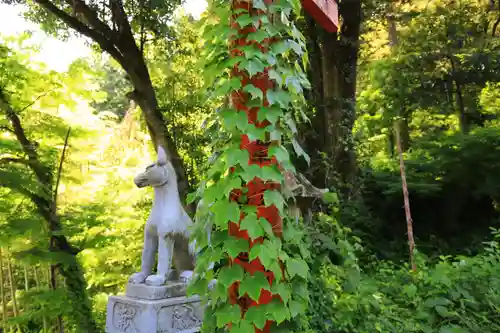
(258,155)
(325,12)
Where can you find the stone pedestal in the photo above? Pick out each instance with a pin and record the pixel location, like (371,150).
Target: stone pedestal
(148,309)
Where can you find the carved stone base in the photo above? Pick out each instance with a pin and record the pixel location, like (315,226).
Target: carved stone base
(169,315)
(142,291)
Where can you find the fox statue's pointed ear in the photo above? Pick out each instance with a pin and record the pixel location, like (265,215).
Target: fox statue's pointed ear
(162,156)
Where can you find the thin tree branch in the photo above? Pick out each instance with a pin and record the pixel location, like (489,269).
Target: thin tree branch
(125,35)
(59,171)
(77,25)
(28,147)
(7,160)
(495,26)
(7,129)
(36,99)
(92,18)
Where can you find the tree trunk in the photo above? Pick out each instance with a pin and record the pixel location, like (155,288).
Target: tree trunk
(12,284)
(2,292)
(464,121)
(53,286)
(333,58)
(402,114)
(146,99)
(38,285)
(26,278)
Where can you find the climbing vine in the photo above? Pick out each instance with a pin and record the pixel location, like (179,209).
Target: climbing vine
(253,54)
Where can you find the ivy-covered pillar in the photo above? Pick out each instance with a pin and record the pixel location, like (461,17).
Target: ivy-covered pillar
(254,56)
(258,151)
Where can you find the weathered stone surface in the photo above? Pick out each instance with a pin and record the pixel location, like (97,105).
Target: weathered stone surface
(143,291)
(170,315)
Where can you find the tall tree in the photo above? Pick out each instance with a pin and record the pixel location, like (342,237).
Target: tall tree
(122,29)
(333,59)
(28,169)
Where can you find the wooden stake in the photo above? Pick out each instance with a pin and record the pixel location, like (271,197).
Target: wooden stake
(406,198)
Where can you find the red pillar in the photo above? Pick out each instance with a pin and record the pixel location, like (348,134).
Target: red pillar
(258,152)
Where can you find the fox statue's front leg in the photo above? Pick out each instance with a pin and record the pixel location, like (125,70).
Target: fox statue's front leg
(148,255)
(165,252)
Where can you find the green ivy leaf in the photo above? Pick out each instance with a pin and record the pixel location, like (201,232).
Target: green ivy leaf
(254,92)
(244,20)
(237,156)
(226,86)
(296,47)
(272,197)
(229,64)
(234,119)
(191,197)
(280,47)
(244,326)
(257,315)
(283,290)
(297,35)
(261,251)
(294,84)
(291,123)
(213,193)
(230,275)
(197,287)
(224,212)
(252,66)
(259,4)
(274,75)
(278,97)
(230,313)
(258,35)
(235,246)
(292,234)
(250,172)
(279,311)
(272,31)
(266,226)
(218,238)
(297,266)
(276,269)
(252,226)
(272,173)
(299,151)
(233,183)
(271,59)
(300,291)
(280,152)
(255,133)
(296,308)
(239,11)
(259,20)
(251,51)
(270,113)
(218,293)
(253,285)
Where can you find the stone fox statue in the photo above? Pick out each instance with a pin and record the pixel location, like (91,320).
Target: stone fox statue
(166,231)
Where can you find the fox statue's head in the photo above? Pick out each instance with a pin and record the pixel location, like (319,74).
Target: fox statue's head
(157,174)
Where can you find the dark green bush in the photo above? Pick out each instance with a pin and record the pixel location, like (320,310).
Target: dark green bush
(454,186)
(455,295)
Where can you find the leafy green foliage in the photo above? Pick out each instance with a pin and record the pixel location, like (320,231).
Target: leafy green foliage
(454,294)
(230,169)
